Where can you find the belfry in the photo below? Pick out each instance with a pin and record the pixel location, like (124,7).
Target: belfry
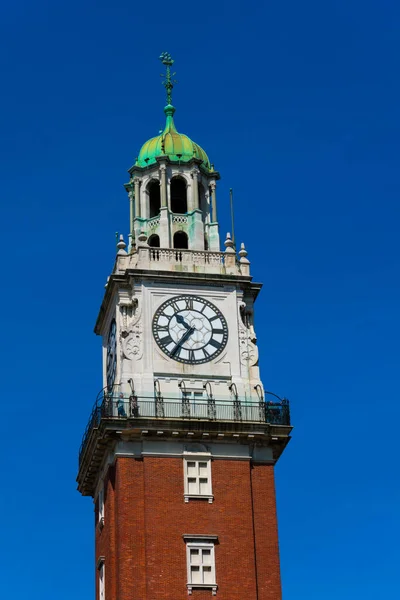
(180,447)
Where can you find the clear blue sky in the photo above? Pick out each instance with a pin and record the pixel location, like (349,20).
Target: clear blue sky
(297,104)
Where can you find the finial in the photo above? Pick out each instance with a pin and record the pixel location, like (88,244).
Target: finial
(229,243)
(244,261)
(168,82)
(142,238)
(121,245)
(242,252)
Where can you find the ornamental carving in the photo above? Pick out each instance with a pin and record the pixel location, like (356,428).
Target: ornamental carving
(247,337)
(131,330)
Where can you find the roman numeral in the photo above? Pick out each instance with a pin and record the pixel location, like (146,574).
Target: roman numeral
(214,343)
(165,341)
(189,303)
(206,354)
(218,331)
(191,355)
(213,318)
(175,307)
(162,327)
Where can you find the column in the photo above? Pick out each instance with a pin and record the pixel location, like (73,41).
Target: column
(195,190)
(131,195)
(213,228)
(163,177)
(137,197)
(213,187)
(164,230)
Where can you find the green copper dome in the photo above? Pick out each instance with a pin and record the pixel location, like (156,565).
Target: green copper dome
(176,146)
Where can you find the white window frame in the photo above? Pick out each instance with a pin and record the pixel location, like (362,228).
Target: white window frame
(200,543)
(100,500)
(101,578)
(197,459)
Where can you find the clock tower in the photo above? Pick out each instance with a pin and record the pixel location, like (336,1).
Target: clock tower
(180,447)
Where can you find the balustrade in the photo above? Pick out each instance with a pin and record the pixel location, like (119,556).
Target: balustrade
(124,406)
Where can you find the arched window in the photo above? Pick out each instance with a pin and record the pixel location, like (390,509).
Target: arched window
(154,198)
(181,240)
(178,196)
(154,241)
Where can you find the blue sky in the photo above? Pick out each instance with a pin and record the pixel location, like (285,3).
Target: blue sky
(297,104)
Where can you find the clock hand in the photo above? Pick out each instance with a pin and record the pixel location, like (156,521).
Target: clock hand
(183,339)
(182,321)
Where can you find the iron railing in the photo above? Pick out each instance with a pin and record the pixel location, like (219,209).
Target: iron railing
(116,405)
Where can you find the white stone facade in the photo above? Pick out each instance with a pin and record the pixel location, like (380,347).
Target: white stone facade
(141,362)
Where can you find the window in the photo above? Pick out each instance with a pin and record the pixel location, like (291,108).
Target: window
(155,198)
(100,499)
(178,196)
(154,241)
(200,562)
(181,240)
(198,478)
(101,581)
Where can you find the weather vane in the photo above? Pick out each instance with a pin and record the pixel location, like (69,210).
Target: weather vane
(168,82)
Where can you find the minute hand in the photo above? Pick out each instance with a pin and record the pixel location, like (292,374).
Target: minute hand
(183,339)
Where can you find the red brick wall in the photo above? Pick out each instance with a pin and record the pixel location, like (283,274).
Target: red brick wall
(146,516)
(266,532)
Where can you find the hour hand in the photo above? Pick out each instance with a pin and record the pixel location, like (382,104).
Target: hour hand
(183,339)
(182,321)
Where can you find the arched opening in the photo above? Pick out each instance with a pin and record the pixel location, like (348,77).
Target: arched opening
(155,198)
(154,241)
(181,240)
(178,196)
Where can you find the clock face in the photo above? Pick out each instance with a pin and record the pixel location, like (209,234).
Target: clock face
(111,355)
(190,329)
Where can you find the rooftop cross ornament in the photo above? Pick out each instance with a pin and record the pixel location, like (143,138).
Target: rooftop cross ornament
(168,82)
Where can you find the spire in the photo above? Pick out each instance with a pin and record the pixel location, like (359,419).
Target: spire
(168,82)
(169,142)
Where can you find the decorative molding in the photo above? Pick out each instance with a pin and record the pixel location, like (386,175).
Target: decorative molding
(201,586)
(195,537)
(198,497)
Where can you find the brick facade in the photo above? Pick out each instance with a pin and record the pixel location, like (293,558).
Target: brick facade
(146,516)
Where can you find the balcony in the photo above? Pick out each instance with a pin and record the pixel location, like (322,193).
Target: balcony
(120,411)
(191,261)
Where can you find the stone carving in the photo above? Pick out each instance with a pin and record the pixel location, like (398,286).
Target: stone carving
(131,330)
(247,337)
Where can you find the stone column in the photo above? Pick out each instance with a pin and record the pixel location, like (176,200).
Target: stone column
(213,187)
(137,197)
(163,177)
(195,190)
(164,229)
(131,195)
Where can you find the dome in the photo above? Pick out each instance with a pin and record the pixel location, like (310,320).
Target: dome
(176,146)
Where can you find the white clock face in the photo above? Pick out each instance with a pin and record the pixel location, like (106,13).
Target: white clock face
(190,329)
